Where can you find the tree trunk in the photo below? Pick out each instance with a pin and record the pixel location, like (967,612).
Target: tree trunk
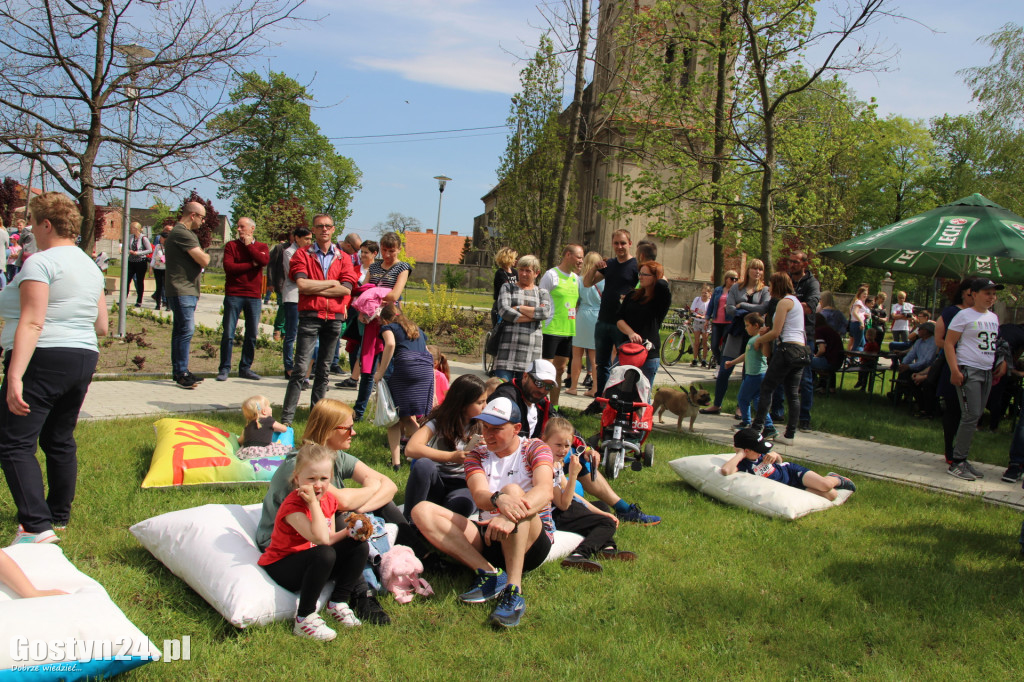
(717,170)
(571,146)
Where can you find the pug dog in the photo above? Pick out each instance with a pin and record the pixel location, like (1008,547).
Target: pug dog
(680,402)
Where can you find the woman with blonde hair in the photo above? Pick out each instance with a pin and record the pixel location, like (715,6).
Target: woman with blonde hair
(586,320)
(505,259)
(749,296)
(523,306)
(53,312)
(331,424)
(859,315)
(719,318)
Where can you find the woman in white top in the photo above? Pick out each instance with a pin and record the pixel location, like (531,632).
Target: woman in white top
(902,313)
(699,309)
(789,358)
(54,310)
(158,262)
(859,315)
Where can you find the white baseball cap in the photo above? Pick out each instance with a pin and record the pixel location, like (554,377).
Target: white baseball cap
(542,370)
(500,411)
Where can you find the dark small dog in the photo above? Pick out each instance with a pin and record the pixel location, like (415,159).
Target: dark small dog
(680,402)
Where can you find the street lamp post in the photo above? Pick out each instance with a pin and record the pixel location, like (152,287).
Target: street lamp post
(135,55)
(441,182)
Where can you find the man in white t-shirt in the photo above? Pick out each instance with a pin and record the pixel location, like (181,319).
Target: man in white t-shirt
(902,312)
(970,348)
(511,479)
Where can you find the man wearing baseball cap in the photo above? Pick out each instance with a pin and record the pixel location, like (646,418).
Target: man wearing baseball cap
(510,478)
(970,349)
(529,392)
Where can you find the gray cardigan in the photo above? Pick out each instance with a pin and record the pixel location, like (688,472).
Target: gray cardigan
(738,299)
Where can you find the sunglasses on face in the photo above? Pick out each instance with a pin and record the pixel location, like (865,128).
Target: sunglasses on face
(546,385)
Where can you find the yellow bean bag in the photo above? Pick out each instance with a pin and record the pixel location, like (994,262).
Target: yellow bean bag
(189,452)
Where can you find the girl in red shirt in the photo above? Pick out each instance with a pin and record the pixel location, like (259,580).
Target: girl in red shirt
(306,551)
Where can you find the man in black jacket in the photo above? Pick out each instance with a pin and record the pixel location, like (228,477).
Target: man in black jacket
(530,393)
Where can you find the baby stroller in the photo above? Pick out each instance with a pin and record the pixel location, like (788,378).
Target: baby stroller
(628,416)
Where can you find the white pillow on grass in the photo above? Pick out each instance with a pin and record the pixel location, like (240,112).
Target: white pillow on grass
(107,643)
(756,493)
(212,548)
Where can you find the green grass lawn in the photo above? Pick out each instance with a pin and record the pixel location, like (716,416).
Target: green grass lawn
(898,582)
(462,298)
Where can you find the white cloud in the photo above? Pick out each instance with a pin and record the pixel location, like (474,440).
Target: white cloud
(462,44)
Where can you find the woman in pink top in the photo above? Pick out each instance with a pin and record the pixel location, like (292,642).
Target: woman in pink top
(720,321)
(859,315)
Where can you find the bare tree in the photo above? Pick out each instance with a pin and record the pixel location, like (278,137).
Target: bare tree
(75,70)
(398,222)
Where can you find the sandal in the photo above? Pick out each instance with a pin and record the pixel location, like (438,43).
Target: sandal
(571,391)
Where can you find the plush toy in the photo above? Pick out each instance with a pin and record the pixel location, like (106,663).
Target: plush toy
(400,571)
(359,526)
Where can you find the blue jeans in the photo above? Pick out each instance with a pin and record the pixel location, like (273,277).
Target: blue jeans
(312,330)
(365,389)
(291,330)
(722,382)
(183,310)
(750,395)
(650,368)
(857,332)
(233,306)
(606,337)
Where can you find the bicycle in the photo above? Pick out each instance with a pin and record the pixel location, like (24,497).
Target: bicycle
(680,340)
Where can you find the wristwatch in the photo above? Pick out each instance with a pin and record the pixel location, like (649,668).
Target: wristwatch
(494,499)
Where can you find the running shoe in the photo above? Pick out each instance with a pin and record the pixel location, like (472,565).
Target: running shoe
(487,587)
(510,608)
(635,515)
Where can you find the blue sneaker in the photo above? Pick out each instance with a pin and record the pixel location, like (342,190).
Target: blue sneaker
(635,515)
(487,587)
(844,482)
(510,607)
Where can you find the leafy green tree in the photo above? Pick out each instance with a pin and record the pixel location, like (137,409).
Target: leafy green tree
(999,86)
(530,169)
(277,152)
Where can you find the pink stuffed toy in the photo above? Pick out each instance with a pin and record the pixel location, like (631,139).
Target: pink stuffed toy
(400,572)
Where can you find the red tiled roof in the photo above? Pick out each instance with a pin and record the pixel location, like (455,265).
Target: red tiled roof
(420,246)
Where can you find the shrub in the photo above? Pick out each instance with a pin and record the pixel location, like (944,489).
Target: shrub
(453,277)
(440,315)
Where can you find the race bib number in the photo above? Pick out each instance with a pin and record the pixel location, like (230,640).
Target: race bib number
(572,312)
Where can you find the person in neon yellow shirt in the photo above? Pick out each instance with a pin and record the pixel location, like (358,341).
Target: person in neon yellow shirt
(562,282)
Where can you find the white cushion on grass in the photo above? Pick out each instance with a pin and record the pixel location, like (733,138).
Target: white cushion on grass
(86,615)
(212,548)
(756,493)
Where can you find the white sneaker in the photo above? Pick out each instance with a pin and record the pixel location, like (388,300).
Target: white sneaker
(313,627)
(23,537)
(341,612)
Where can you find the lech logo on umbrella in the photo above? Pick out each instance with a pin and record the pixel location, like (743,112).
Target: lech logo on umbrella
(951,233)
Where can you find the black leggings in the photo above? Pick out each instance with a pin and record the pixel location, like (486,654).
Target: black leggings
(137,274)
(597,530)
(308,571)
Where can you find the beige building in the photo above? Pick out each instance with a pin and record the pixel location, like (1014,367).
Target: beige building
(599,166)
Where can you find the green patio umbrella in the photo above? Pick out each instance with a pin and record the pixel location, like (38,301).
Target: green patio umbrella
(969,236)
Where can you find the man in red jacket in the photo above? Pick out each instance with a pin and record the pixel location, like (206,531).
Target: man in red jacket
(244,260)
(325,277)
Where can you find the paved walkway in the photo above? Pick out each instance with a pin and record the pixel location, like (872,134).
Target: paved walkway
(111,399)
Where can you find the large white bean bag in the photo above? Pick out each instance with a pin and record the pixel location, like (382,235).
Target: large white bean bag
(75,636)
(212,548)
(756,493)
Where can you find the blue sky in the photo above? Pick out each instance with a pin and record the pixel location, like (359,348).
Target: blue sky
(406,66)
